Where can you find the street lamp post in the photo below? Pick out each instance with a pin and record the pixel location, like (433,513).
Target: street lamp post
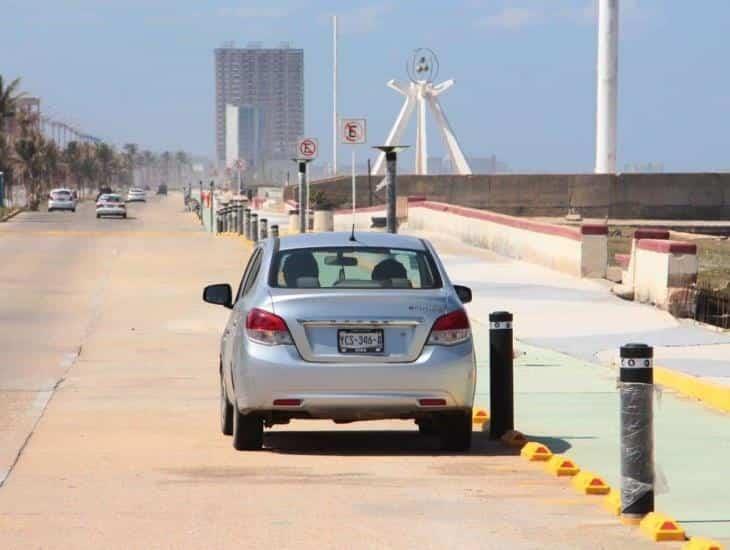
(2,189)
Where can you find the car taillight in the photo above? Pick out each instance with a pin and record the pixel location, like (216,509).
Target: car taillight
(450,329)
(266,328)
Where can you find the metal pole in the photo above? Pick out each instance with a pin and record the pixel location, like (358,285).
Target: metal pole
(303,206)
(2,189)
(263,230)
(392,222)
(501,390)
(607,86)
(254,227)
(353,186)
(370,185)
(212,208)
(240,218)
(334,95)
(636,379)
(275,231)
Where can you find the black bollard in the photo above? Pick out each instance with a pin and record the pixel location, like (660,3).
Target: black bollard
(239,207)
(254,227)
(636,379)
(275,231)
(263,228)
(501,390)
(247,223)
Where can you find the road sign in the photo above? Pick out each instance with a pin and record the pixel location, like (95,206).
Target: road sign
(353,131)
(307,149)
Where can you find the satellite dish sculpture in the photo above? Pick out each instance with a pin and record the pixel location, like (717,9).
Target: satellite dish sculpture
(423,69)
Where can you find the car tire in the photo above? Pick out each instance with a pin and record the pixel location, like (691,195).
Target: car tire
(455,431)
(98,216)
(248,431)
(124,216)
(73,210)
(50,209)
(226,411)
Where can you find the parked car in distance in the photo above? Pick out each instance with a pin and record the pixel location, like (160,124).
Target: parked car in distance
(162,189)
(111,205)
(346,328)
(61,199)
(135,194)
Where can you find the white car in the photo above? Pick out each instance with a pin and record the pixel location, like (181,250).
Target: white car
(61,199)
(111,204)
(135,194)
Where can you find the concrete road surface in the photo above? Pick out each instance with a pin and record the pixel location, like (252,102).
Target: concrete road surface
(108,386)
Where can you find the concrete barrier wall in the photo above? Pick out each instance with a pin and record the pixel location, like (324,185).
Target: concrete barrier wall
(657,196)
(662,269)
(579,251)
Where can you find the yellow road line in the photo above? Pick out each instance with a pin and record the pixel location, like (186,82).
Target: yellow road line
(711,394)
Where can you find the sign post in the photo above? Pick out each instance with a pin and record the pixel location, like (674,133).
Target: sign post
(354,132)
(307,151)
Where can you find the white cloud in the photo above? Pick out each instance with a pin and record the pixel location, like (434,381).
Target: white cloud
(511,18)
(252,12)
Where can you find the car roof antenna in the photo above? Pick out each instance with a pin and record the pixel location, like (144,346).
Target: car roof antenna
(352,235)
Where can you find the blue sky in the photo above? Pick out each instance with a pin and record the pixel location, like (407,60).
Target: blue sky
(142,70)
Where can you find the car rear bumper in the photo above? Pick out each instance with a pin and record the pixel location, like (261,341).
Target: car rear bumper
(111,211)
(61,205)
(355,391)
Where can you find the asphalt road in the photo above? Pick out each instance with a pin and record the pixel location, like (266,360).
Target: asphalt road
(108,384)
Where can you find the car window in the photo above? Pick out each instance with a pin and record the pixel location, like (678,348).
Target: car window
(249,268)
(253,275)
(354,267)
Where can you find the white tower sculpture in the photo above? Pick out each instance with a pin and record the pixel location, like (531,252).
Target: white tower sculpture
(607,86)
(423,70)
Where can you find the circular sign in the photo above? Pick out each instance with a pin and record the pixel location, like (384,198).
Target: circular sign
(307,148)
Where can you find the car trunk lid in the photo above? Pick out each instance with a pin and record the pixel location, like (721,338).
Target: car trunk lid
(324,320)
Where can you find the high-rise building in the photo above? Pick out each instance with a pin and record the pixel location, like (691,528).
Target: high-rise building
(267,88)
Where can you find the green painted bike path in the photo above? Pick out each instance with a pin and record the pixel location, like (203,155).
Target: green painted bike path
(573,406)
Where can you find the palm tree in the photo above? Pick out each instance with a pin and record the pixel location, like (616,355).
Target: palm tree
(28,167)
(131,160)
(9,96)
(105,157)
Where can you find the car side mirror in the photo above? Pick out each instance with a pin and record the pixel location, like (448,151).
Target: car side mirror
(464,293)
(220,295)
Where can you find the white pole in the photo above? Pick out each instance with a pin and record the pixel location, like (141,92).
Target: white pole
(607,87)
(353,186)
(334,95)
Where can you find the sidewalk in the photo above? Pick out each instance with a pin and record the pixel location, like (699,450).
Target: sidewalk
(565,327)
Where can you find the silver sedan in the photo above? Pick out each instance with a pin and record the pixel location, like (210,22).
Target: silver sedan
(331,326)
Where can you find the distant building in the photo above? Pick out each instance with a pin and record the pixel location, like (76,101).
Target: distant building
(266,88)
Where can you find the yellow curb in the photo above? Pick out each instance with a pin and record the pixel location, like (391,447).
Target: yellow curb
(612,502)
(535,452)
(699,543)
(660,528)
(588,483)
(561,466)
(514,438)
(713,395)
(480,416)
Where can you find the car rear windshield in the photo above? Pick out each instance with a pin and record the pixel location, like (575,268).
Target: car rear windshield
(110,198)
(60,195)
(354,267)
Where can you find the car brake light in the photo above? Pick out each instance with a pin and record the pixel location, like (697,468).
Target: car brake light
(266,328)
(450,329)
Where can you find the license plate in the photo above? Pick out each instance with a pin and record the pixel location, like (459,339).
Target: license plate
(360,341)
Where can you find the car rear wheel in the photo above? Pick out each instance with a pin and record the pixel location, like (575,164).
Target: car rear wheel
(124,216)
(248,431)
(455,431)
(98,216)
(226,411)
